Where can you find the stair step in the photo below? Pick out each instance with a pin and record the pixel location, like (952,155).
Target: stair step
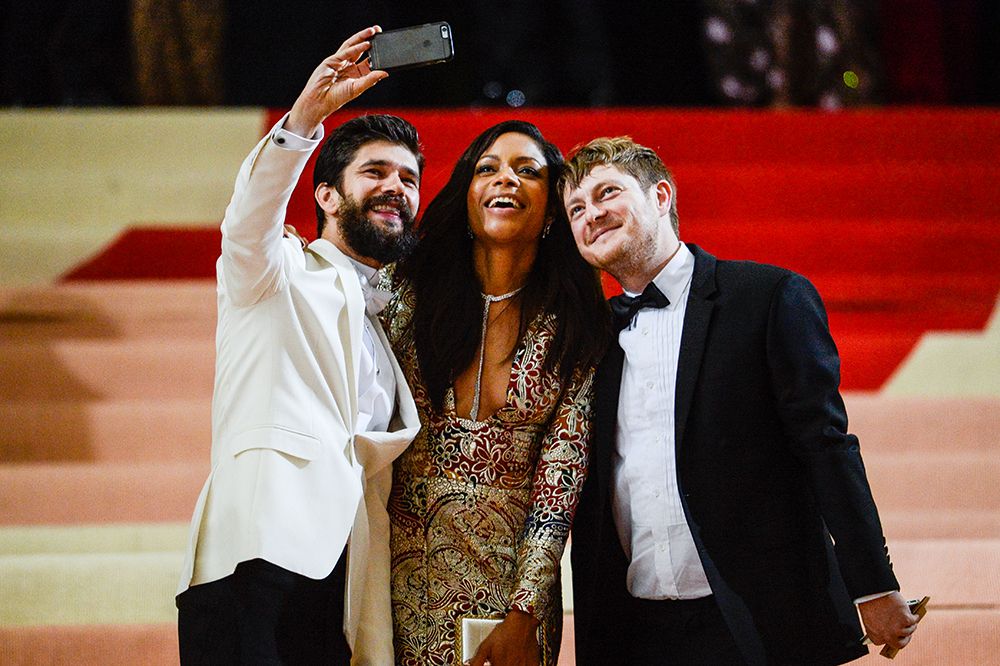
(66,493)
(121,644)
(941,480)
(149,430)
(83,588)
(957,573)
(87,370)
(887,424)
(180,430)
(108,310)
(935,523)
(80,539)
(913,247)
(937,193)
(42,493)
(907,302)
(868,358)
(947,636)
(686,136)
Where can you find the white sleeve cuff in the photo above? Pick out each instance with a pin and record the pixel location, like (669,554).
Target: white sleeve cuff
(872,597)
(291,141)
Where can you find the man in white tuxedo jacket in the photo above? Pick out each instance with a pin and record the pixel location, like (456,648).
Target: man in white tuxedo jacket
(288,560)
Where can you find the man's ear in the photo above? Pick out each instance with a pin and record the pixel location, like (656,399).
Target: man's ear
(664,196)
(328,198)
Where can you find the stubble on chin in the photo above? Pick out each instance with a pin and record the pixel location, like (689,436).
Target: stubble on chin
(627,259)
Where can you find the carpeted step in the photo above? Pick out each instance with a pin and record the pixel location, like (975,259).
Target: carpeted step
(46,493)
(91,588)
(113,166)
(683,136)
(868,358)
(74,493)
(956,573)
(40,493)
(934,480)
(936,193)
(946,637)
(869,245)
(938,523)
(87,370)
(119,538)
(123,430)
(79,588)
(887,424)
(182,309)
(90,645)
(907,302)
(101,369)
(180,430)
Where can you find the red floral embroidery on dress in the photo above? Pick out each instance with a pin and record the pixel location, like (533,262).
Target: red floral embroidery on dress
(481,510)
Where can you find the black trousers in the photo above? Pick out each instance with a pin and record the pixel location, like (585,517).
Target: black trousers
(679,633)
(263,614)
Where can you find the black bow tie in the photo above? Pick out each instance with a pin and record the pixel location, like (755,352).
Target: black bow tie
(625,307)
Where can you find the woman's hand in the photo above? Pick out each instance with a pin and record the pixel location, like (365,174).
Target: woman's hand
(514,642)
(337,80)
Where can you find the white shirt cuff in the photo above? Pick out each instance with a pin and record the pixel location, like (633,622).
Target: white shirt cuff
(291,141)
(872,597)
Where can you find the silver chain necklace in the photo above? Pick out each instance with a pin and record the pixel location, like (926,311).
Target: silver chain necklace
(487,300)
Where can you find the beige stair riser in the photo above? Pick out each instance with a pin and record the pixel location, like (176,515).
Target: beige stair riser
(101,588)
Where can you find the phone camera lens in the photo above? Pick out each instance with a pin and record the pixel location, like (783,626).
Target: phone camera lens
(444,31)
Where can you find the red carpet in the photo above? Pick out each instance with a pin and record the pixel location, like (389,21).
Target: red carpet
(895,214)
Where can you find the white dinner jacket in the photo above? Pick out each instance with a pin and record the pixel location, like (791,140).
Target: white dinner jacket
(291,480)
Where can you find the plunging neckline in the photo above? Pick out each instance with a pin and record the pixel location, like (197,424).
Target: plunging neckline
(450,398)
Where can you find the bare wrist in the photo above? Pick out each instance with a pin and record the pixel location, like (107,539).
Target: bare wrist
(519,618)
(300,126)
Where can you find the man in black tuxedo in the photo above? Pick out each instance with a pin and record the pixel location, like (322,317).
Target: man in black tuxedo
(727,518)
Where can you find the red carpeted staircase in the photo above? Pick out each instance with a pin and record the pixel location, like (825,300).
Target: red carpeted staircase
(895,215)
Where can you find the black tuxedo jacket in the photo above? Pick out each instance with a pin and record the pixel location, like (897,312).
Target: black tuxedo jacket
(766,470)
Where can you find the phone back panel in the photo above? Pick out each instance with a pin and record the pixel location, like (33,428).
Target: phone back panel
(412,47)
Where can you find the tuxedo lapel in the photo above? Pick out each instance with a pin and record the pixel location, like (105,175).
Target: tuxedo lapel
(608,381)
(696,322)
(355,309)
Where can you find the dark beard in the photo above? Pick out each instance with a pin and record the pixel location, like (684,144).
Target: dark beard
(370,240)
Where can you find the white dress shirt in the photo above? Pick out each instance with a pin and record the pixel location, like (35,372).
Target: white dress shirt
(664,562)
(376,383)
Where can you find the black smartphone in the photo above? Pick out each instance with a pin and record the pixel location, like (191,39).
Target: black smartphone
(418,45)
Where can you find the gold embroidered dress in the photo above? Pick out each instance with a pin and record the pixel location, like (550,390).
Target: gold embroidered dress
(480,510)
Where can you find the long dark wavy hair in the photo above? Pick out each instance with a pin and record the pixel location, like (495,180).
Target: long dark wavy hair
(447,318)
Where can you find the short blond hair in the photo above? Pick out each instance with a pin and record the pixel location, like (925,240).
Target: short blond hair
(626,155)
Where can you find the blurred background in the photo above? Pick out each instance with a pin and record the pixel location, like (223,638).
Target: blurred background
(854,141)
(581,53)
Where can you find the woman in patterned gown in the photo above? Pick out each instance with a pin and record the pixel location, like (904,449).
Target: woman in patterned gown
(497,323)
